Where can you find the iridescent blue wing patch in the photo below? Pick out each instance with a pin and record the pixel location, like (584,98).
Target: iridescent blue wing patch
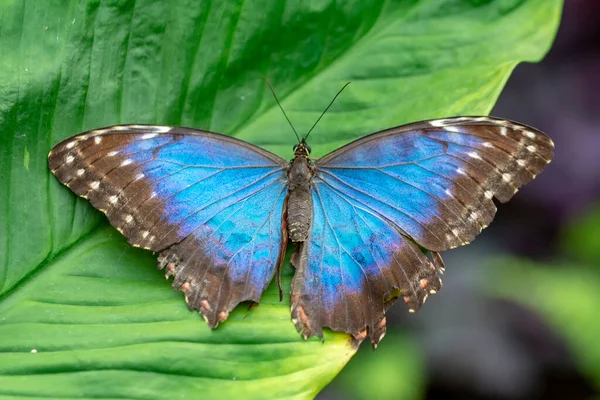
(429,184)
(210,204)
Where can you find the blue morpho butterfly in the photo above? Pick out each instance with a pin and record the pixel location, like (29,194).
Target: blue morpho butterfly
(220,211)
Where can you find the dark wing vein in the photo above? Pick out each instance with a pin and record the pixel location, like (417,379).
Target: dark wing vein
(381,218)
(381,166)
(222,198)
(226,269)
(382,202)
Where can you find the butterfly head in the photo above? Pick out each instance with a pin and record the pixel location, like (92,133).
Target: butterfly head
(302,149)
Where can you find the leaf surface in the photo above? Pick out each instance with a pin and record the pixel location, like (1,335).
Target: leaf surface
(100,320)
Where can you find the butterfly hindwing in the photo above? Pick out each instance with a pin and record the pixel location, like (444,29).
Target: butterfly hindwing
(380,198)
(212,205)
(352,268)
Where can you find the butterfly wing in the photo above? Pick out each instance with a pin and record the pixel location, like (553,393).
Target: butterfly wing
(210,204)
(429,184)
(353,266)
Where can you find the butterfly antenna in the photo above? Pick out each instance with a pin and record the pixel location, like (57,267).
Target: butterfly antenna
(330,104)
(282,110)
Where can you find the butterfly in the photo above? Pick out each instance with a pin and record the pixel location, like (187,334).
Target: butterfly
(369,219)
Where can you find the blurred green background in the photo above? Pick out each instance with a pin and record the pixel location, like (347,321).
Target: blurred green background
(516,317)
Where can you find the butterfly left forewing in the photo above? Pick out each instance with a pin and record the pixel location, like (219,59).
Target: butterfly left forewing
(210,204)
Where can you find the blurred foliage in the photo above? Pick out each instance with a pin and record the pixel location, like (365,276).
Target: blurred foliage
(582,238)
(84,315)
(565,292)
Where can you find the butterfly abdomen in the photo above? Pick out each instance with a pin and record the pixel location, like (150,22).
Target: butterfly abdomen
(299,210)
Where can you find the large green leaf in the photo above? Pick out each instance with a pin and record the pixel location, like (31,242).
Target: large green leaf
(103,322)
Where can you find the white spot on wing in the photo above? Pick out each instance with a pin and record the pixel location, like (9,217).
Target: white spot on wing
(113,153)
(95,185)
(448,192)
(126,162)
(97,140)
(474,155)
(163,129)
(69,159)
(531,148)
(506,177)
(503,130)
(453,129)
(80,172)
(145,234)
(113,199)
(128,218)
(438,122)
(460,171)
(529,134)
(149,135)
(489,194)
(139,176)
(521,163)
(70,145)
(487,144)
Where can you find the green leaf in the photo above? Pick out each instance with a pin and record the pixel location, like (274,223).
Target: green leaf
(103,321)
(99,321)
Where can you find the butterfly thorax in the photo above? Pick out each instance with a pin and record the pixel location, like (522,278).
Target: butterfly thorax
(299,204)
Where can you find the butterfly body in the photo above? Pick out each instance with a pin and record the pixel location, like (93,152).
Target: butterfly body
(220,211)
(299,209)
